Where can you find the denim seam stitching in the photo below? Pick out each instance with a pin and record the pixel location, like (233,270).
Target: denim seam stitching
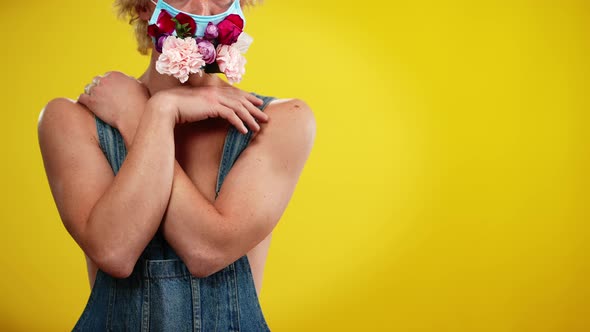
(228,145)
(196,298)
(120,148)
(237,298)
(99,132)
(250,281)
(216,280)
(112,298)
(184,276)
(86,311)
(145,310)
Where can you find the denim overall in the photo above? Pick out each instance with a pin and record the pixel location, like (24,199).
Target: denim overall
(161,294)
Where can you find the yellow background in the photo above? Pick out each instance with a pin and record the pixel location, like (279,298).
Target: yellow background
(447,189)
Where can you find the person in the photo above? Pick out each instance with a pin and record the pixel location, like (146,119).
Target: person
(171,184)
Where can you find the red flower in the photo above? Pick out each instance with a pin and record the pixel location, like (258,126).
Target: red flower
(153,30)
(165,23)
(229,29)
(183,18)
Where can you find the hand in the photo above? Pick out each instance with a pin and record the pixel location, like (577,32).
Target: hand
(199,103)
(118,100)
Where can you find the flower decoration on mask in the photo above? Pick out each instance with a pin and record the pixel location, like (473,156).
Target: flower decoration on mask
(220,49)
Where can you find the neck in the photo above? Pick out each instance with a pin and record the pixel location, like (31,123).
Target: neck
(155,81)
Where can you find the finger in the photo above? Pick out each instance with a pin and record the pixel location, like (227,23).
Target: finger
(259,114)
(243,113)
(84,99)
(255,111)
(247,117)
(253,99)
(229,114)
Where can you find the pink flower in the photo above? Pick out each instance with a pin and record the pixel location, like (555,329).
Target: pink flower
(207,50)
(231,62)
(211,31)
(179,58)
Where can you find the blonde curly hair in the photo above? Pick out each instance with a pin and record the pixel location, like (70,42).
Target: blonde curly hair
(126,10)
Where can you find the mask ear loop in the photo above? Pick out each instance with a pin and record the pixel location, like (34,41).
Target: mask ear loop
(154,38)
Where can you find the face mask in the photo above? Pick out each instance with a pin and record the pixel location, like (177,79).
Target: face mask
(201,20)
(191,44)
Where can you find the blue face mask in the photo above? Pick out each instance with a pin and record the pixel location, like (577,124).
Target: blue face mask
(201,20)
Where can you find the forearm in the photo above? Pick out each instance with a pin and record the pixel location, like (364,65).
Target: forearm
(183,218)
(129,213)
(206,239)
(203,237)
(193,227)
(128,131)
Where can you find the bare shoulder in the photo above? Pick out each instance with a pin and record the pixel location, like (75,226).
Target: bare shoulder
(287,112)
(67,118)
(291,125)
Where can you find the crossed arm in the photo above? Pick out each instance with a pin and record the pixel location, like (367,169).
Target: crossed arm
(112,218)
(209,236)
